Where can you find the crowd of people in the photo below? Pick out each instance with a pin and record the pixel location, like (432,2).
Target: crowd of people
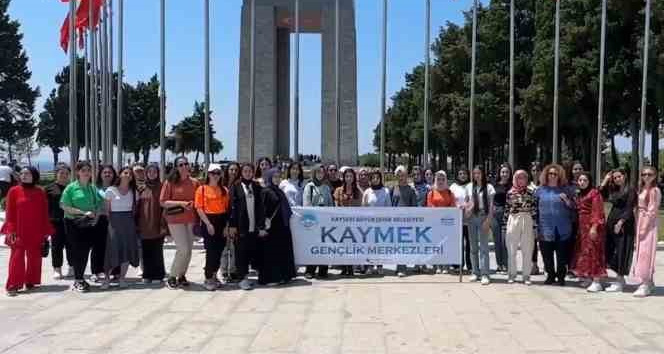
(119,219)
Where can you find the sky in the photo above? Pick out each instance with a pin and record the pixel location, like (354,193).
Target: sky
(41,19)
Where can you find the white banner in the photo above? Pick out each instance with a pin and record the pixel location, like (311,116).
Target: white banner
(349,236)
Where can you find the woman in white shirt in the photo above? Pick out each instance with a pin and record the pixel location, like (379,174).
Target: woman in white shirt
(122,240)
(460,190)
(293,185)
(377,195)
(480,213)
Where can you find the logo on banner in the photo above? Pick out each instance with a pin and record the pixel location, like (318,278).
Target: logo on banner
(309,221)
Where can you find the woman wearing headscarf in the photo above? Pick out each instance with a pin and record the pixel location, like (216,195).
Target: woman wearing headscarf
(376,196)
(276,250)
(620,225)
(317,193)
(246,223)
(420,185)
(520,216)
(27,227)
(150,226)
(589,261)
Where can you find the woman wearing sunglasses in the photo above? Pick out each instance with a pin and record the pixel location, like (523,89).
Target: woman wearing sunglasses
(645,247)
(177,198)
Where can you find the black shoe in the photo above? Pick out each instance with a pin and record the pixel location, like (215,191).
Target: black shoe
(550,280)
(29,287)
(172,283)
(308,276)
(183,281)
(81,286)
(322,276)
(561,281)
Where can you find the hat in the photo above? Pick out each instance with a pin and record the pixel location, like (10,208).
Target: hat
(214,167)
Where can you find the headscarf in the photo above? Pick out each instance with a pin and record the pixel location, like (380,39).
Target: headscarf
(151,183)
(380,184)
(318,182)
(283,201)
(438,174)
(515,182)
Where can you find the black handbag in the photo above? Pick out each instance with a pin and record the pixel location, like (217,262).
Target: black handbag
(85,222)
(176,210)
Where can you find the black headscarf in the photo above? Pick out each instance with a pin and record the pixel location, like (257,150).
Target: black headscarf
(379,185)
(283,201)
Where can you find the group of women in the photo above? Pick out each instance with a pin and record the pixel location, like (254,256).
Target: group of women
(242,213)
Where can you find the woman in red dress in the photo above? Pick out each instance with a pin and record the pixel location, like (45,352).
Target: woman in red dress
(589,261)
(26,228)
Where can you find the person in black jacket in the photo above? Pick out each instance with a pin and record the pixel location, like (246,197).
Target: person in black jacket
(56,214)
(247,222)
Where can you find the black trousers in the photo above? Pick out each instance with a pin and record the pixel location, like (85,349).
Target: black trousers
(246,248)
(98,240)
(555,266)
(322,270)
(152,251)
(465,257)
(214,244)
(535,253)
(80,242)
(60,245)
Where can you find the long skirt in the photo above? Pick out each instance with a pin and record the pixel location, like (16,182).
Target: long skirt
(276,254)
(589,255)
(122,241)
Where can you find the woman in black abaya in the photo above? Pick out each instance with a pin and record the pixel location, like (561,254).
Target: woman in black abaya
(278,264)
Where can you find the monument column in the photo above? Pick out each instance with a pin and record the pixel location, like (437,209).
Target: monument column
(348,83)
(283,93)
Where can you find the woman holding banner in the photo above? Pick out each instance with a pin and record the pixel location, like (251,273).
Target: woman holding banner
(348,195)
(376,196)
(317,193)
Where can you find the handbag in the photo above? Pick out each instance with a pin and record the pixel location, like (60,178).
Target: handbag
(84,222)
(268,221)
(175,210)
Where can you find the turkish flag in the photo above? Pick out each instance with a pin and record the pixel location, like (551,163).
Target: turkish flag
(82,21)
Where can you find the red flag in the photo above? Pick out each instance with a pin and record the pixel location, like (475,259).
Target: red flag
(64,35)
(82,21)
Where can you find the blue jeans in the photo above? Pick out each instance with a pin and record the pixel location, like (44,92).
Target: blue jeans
(498,231)
(479,255)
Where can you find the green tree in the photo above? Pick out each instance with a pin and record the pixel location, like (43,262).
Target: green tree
(187,136)
(17,98)
(140,131)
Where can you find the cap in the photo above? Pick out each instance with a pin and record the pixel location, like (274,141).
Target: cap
(214,167)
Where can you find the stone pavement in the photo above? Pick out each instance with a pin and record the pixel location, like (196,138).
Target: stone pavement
(417,314)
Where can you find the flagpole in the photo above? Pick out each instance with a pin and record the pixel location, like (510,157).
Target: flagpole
(556,149)
(427,64)
(86,95)
(162,90)
(94,133)
(102,79)
(337,83)
(644,90)
(120,108)
(600,103)
(511,157)
(109,121)
(296,112)
(207,84)
(471,127)
(72,84)
(383,84)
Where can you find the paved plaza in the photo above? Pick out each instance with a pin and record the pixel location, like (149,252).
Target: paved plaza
(417,314)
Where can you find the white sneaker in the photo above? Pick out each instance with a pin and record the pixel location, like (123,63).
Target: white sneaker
(486,280)
(245,284)
(439,270)
(57,274)
(594,287)
(616,287)
(642,291)
(401,274)
(210,285)
(510,281)
(446,271)
(528,282)
(473,278)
